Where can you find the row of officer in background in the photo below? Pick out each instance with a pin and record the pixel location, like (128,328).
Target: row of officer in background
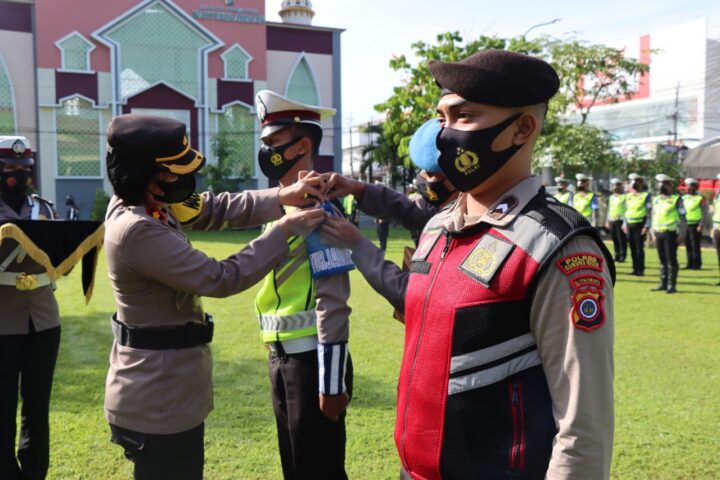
(637,212)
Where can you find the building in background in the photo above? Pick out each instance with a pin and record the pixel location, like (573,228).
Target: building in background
(678,102)
(68,66)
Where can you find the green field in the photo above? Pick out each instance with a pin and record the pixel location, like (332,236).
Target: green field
(667,392)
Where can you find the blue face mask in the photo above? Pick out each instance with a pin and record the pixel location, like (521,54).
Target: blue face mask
(467,158)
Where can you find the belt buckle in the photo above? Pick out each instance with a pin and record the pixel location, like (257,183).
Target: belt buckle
(25,281)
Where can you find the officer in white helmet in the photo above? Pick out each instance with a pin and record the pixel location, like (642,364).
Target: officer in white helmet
(30,323)
(716,225)
(668,219)
(615,216)
(696,210)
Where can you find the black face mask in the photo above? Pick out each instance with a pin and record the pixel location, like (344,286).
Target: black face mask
(272,160)
(435,193)
(467,157)
(664,189)
(15,183)
(636,186)
(177,191)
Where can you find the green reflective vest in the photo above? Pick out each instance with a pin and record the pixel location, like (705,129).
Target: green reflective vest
(665,215)
(716,211)
(349,205)
(582,202)
(635,208)
(693,208)
(562,197)
(616,206)
(285,303)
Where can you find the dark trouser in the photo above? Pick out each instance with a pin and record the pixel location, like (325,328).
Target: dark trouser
(637,244)
(716,241)
(692,244)
(620,240)
(28,361)
(311,446)
(666,243)
(383,230)
(177,456)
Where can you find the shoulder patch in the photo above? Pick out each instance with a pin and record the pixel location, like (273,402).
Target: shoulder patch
(587,312)
(486,258)
(587,280)
(580,261)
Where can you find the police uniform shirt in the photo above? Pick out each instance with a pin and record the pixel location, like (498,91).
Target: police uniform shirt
(578,364)
(381,201)
(157,276)
(19,307)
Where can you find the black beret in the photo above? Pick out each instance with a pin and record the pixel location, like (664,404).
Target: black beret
(164,140)
(498,77)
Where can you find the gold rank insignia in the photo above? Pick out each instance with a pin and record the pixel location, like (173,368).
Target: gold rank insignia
(587,311)
(486,258)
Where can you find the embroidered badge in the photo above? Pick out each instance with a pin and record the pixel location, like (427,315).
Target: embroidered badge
(503,207)
(587,308)
(426,243)
(486,258)
(588,280)
(579,261)
(156,213)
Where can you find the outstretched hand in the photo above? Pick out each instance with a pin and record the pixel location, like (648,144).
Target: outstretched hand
(301,222)
(309,190)
(337,185)
(339,232)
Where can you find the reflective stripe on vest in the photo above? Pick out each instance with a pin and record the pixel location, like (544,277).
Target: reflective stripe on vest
(582,202)
(693,208)
(665,216)
(616,206)
(635,207)
(563,197)
(285,303)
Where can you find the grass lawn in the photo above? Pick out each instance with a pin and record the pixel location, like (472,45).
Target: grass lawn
(667,390)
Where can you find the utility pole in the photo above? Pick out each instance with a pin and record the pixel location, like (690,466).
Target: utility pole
(352,173)
(675,118)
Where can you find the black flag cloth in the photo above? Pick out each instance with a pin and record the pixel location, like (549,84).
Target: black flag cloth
(59,245)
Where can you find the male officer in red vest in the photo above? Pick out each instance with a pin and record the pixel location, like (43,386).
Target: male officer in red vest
(508,363)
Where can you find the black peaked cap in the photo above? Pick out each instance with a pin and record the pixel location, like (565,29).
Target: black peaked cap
(498,77)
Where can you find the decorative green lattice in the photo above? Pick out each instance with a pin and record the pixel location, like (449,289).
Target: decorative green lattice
(155,46)
(7,121)
(236,140)
(236,63)
(75,53)
(78,147)
(302,86)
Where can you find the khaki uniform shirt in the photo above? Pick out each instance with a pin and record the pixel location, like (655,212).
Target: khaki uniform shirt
(384,202)
(20,307)
(157,278)
(578,364)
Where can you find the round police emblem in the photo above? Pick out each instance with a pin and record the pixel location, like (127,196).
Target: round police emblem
(588,308)
(18,147)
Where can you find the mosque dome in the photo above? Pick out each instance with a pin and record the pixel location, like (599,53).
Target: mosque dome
(297,11)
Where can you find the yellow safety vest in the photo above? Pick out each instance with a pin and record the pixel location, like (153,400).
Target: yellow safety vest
(693,208)
(716,211)
(285,303)
(562,197)
(616,206)
(665,215)
(582,202)
(635,208)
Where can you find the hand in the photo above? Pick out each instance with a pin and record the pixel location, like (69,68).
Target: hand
(333,405)
(338,185)
(681,239)
(306,192)
(698,229)
(625,229)
(339,232)
(302,222)
(644,231)
(607,226)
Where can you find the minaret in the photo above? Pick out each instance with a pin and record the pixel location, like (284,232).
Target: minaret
(297,11)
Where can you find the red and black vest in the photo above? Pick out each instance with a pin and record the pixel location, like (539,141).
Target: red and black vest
(473,401)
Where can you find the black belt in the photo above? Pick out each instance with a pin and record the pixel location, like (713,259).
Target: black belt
(173,337)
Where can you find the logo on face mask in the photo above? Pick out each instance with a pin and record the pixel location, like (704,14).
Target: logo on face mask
(432,196)
(276,159)
(466,162)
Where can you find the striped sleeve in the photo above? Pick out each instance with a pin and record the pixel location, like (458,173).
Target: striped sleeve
(332,365)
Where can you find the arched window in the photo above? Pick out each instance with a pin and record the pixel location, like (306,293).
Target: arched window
(78,139)
(235,141)
(237,62)
(7,117)
(157,46)
(301,86)
(75,52)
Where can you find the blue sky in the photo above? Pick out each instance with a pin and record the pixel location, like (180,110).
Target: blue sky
(376,30)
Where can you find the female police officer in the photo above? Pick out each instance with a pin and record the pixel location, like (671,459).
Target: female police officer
(159,386)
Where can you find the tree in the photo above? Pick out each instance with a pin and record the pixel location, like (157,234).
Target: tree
(221,177)
(572,145)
